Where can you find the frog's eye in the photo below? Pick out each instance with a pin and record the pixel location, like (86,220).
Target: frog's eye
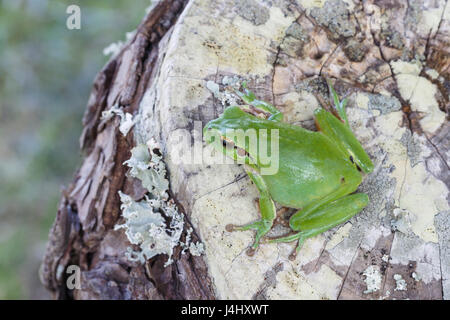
(229,144)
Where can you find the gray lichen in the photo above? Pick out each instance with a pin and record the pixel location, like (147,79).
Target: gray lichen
(335,16)
(384,104)
(252,11)
(151,173)
(145,226)
(392,38)
(401,221)
(294,41)
(355,50)
(315,85)
(126,119)
(292,46)
(296,31)
(145,221)
(413,147)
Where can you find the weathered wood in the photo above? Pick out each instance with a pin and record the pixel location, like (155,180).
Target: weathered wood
(390,58)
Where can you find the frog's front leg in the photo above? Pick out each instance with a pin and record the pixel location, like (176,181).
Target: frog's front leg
(322,219)
(249,97)
(267,209)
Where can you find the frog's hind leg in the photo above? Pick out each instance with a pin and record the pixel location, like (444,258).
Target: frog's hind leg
(323,218)
(338,129)
(267,209)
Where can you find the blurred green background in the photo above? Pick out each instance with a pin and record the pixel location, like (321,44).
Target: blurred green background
(46,74)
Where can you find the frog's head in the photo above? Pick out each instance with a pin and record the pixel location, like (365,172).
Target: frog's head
(227,133)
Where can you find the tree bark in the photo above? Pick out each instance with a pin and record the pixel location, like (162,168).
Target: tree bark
(390,58)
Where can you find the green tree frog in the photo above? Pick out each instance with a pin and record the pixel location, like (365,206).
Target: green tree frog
(318,171)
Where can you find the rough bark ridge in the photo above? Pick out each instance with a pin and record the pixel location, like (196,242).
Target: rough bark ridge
(390,58)
(83,232)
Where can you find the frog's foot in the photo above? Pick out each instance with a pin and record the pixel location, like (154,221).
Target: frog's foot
(261,227)
(292,236)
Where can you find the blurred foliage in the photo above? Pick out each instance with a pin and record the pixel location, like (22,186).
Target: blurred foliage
(46,74)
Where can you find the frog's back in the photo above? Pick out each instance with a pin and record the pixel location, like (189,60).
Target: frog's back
(310,167)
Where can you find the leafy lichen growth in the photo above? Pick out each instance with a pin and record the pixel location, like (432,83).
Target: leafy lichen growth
(373,279)
(154,223)
(114,48)
(126,119)
(226,97)
(145,226)
(146,165)
(400,282)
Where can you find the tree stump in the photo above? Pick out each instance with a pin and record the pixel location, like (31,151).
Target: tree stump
(389,58)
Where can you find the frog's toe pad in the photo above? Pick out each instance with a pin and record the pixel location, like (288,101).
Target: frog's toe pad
(293,255)
(250,252)
(230,227)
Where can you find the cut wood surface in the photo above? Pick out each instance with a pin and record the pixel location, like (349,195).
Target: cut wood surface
(389,58)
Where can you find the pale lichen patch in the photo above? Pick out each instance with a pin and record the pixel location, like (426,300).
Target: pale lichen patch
(431,17)
(362,100)
(415,276)
(145,221)
(145,226)
(420,93)
(417,194)
(126,119)
(372,279)
(309,4)
(235,44)
(115,47)
(147,165)
(274,28)
(432,73)
(407,248)
(298,107)
(195,249)
(293,283)
(400,283)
